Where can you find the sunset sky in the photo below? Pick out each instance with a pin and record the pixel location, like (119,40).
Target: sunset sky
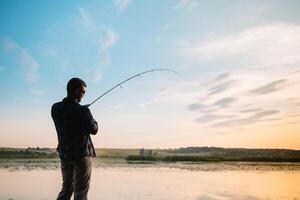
(239,65)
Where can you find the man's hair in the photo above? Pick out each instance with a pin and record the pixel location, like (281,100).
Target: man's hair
(74,84)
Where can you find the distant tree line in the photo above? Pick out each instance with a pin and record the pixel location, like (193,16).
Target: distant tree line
(29,152)
(196,154)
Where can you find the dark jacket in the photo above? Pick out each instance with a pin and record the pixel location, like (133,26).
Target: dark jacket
(74,124)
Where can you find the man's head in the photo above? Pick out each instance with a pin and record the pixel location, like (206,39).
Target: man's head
(76,89)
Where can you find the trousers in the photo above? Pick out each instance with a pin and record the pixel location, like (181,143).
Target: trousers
(76,175)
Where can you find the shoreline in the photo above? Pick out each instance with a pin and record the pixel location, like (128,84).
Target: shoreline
(106,163)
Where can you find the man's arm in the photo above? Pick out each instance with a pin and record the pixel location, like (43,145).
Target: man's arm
(90,124)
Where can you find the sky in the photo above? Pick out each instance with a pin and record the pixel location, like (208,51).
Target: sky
(238,64)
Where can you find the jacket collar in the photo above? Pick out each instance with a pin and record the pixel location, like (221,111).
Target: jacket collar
(69,100)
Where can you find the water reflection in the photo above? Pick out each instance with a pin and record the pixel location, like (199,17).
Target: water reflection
(229,197)
(131,182)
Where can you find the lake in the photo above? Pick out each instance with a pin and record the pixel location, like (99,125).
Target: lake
(118,180)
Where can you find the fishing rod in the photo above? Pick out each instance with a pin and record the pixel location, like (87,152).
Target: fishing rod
(119,84)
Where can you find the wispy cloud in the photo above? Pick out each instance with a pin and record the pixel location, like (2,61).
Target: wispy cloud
(225,102)
(255,118)
(167,26)
(95,75)
(250,110)
(121,5)
(196,106)
(29,64)
(213,117)
(221,87)
(269,45)
(225,93)
(110,38)
(185,4)
(37,93)
(221,103)
(49,51)
(8,44)
(157,40)
(87,21)
(105,58)
(234,100)
(221,77)
(270,87)
(104,38)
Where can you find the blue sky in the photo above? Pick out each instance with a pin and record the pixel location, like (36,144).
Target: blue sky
(239,65)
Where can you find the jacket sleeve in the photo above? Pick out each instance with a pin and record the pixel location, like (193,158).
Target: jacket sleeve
(90,124)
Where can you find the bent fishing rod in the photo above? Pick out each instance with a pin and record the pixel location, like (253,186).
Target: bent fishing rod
(119,84)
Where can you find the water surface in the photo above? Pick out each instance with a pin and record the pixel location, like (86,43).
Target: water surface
(177,181)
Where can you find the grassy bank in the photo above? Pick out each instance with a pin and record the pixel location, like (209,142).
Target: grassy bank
(193,154)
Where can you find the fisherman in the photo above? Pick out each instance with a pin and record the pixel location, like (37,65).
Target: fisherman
(74,123)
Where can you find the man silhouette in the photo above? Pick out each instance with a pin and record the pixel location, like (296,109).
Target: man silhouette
(74,123)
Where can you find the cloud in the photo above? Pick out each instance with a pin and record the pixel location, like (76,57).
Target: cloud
(105,38)
(225,102)
(213,117)
(37,92)
(109,39)
(95,76)
(8,44)
(30,65)
(105,59)
(121,5)
(185,4)
(49,51)
(87,21)
(221,83)
(196,106)
(144,104)
(269,45)
(270,87)
(221,87)
(254,118)
(167,26)
(157,40)
(292,115)
(222,77)
(221,103)
(250,110)
(241,108)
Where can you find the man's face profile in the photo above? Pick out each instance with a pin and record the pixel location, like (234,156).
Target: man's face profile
(80,93)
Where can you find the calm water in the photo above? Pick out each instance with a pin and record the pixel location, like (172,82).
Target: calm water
(155,182)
